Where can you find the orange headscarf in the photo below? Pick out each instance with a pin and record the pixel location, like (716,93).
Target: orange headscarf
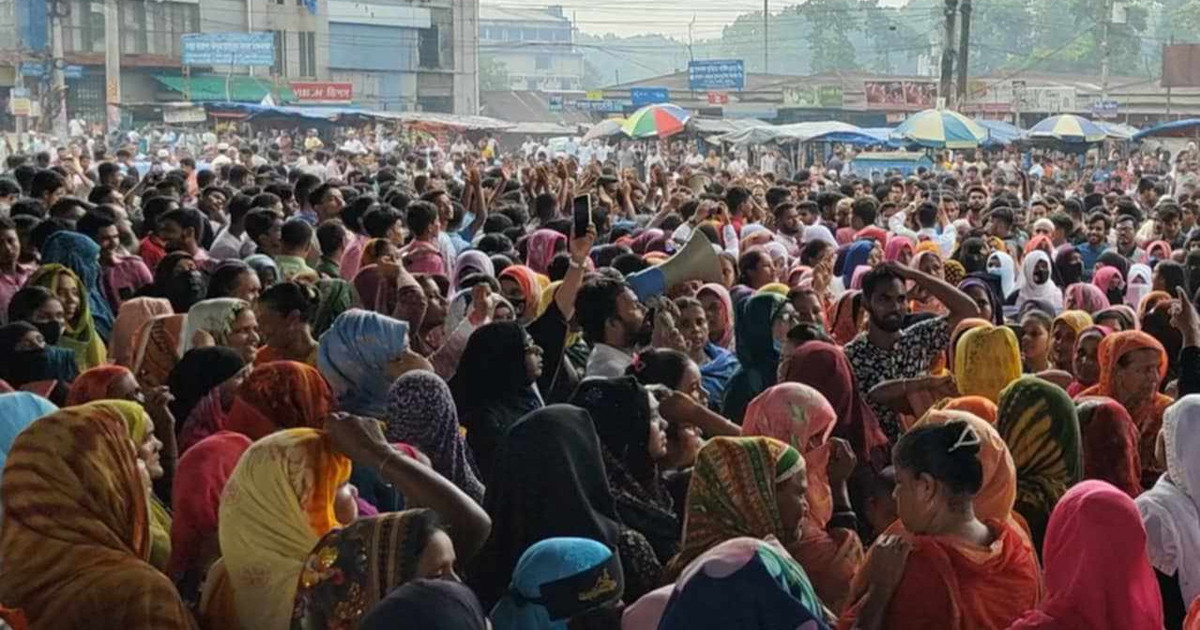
(280,395)
(93,384)
(1149,301)
(975,405)
(844,326)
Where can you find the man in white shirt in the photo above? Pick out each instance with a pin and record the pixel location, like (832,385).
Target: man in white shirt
(929,217)
(694,159)
(767,164)
(223,158)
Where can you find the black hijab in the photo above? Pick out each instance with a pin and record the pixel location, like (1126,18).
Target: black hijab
(183,289)
(196,374)
(548,482)
(21,367)
(972,255)
(429,605)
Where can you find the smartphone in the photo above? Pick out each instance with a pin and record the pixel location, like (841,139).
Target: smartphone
(581,210)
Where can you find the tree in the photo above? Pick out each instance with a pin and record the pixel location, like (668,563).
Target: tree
(493,75)
(829,43)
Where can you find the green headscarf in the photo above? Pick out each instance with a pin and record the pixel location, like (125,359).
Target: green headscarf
(337,297)
(80,333)
(757,352)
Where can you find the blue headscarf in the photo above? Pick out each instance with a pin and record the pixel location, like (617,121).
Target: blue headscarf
(556,579)
(17,411)
(757,352)
(81,255)
(857,254)
(260,263)
(354,355)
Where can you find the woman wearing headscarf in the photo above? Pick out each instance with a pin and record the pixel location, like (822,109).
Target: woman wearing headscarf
(336,297)
(1069,264)
(495,386)
(986,360)
(1111,283)
(104,382)
(519,285)
(1038,422)
(1113,259)
(179,280)
(857,255)
(899,249)
(1001,265)
(1132,366)
(430,605)
(718,309)
(975,405)
(632,442)
(80,333)
(560,583)
(421,413)
(761,325)
(1138,283)
(27,362)
(969,565)
(130,318)
(77,528)
(199,480)
(1171,511)
(471,261)
(541,246)
(156,349)
(18,410)
(828,546)
(1085,297)
(1097,575)
(823,366)
(1064,332)
(81,255)
(265,267)
(279,395)
(228,322)
(1036,283)
(991,307)
(845,320)
(953,271)
(360,356)
(1110,443)
(715,364)
(972,254)
(554,452)
(1117,318)
(203,384)
(770,588)
(920,300)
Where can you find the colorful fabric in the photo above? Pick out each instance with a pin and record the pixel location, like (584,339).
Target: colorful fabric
(18,410)
(856,255)
(156,349)
(897,246)
(986,360)
(63,572)
(81,255)
(471,261)
(337,297)
(994,301)
(1076,320)
(998,492)
(280,395)
(953,271)
(726,340)
(82,334)
(961,329)
(1088,298)
(557,579)
(94,384)
(541,247)
(421,413)
(768,589)
(133,314)
(275,508)
(758,353)
(353,568)
(1171,509)
(215,317)
(732,494)
(526,279)
(1110,444)
(377,292)
(354,355)
(1097,575)
(1038,422)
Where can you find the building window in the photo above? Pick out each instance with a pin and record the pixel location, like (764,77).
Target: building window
(427,47)
(308,54)
(280,66)
(543,62)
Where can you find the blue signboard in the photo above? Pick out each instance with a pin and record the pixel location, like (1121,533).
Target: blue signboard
(39,69)
(603,105)
(228,49)
(31,17)
(642,96)
(717,74)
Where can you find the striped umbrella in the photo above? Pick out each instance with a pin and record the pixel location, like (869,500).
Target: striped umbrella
(656,121)
(941,129)
(1067,128)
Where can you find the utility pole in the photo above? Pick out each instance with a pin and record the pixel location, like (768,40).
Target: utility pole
(112,65)
(58,78)
(964,51)
(766,39)
(946,85)
(1105,49)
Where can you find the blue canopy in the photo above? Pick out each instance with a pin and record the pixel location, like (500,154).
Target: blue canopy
(1177,128)
(1000,133)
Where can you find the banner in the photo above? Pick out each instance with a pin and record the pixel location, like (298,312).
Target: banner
(718,74)
(322,92)
(905,95)
(828,96)
(177,115)
(1048,100)
(642,96)
(228,49)
(718,98)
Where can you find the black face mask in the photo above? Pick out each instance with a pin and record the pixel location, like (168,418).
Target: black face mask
(1116,296)
(51,331)
(185,289)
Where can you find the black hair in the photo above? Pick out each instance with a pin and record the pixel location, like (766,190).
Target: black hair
(44,182)
(296,233)
(927,214)
(1004,213)
(866,209)
(629,263)
(495,244)
(421,215)
(595,304)
(306,184)
(288,297)
(353,213)
(98,194)
(735,197)
(805,332)
(1174,275)
(1062,221)
(331,236)
(749,261)
(875,278)
(46,229)
(27,301)
(153,209)
(259,222)
(776,195)
(939,451)
(186,218)
(318,194)
(378,222)
(91,223)
(659,366)
(28,206)
(558,267)
(225,277)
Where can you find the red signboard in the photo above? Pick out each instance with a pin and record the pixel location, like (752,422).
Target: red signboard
(322,92)
(718,98)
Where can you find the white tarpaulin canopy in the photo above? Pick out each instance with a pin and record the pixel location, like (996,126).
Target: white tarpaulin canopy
(796,132)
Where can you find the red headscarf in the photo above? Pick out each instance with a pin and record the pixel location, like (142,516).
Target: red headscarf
(896,247)
(525,278)
(1110,444)
(1042,242)
(877,234)
(1088,298)
(1097,574)
(280,395)
(197,492)
(824,367)
(1160,250)
(844,327)
(93,384)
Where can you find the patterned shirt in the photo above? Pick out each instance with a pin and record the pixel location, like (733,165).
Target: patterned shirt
(915,349)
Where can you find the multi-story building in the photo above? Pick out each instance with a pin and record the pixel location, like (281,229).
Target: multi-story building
(534,48)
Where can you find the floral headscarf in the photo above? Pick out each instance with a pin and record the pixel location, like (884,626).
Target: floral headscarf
(421,412)
(280,395)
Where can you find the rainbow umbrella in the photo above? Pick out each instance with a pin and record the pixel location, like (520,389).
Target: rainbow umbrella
(941,129)
(656,121)
(1067,128)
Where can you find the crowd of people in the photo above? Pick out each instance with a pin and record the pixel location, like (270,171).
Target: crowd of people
(509,389)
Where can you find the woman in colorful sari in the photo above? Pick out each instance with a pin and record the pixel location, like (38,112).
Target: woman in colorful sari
(966,567)
(360,356)
(130,318)
(1110,443)
(541,246)
(1038,422)
(156,349)
(421,413)
(203,384)
(18,410)
(1171,511)
(288,490)
(1086,366)
(228,322)
(1088,298)
(716,364)
(80,333)
(1097,575)
(199,480)
(77,528)
(81,255)
(279,395)
(1132,366)
(762,325)
(828,546)
(1063,334)
(899,250)
(562,582)
(991,307)
(823,367)
(554,452)
(986,360)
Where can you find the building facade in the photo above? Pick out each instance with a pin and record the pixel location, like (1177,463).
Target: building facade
(535,49)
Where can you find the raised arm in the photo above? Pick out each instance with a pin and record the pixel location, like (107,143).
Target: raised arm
(960,305)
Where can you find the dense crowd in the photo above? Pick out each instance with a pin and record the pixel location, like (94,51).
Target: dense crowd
(377,381)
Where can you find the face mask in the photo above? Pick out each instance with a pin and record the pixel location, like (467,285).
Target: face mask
(186,289)
(51,331)
(31,366)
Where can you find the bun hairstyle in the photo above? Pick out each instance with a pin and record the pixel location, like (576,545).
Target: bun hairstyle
(287,297)
(659,366)
(947,452)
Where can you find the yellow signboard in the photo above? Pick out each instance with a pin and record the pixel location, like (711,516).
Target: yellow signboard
(595,95)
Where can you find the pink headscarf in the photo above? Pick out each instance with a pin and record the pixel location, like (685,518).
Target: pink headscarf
(896,247)
(1088,298)
(541,247)
(1104,277)
(722,294)
(1162,247)
(857,278)
(845,236)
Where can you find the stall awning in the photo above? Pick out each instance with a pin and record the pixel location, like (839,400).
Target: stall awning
(238,89)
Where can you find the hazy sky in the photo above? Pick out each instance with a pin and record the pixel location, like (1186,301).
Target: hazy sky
(669,17)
